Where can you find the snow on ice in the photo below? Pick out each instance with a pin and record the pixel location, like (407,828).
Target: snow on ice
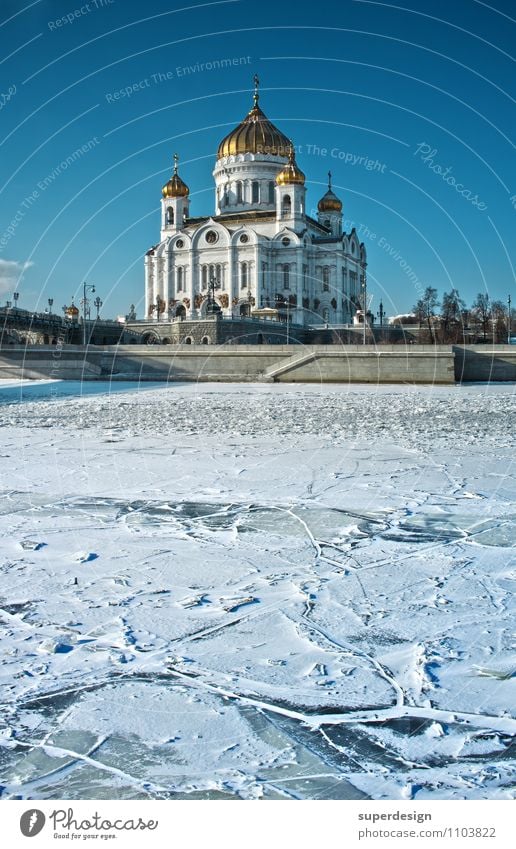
(215,591)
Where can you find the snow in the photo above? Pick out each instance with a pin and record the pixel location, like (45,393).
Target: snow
(270,591)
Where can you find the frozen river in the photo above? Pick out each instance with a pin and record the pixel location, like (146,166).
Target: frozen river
(238,591)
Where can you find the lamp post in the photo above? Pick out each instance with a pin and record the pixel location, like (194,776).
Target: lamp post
(212,307)
(50,305)
(86,288)
(8,305)
(364,308)
(97,303)
(509,317)
(381,313)
(16,295)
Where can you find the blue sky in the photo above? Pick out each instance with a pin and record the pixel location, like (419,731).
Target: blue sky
(410,105)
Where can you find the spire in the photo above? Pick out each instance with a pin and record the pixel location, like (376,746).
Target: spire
(256,95)
(329,181)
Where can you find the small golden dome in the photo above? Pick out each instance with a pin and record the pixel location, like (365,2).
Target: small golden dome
(329,202)
(255,134)
(175,188)
(291,173)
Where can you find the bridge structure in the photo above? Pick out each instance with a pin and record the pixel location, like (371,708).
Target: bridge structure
(23,327)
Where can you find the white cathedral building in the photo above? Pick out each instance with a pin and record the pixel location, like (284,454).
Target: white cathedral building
(260,254)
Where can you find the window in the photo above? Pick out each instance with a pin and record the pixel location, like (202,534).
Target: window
(239,193)
(326,314)
(326,278)
(344,279)
(180,280)
(286,207)
(243,275)
(170,215)
(218,274)
(305,278)
(271,192)
(286,277)
(255,191)
(264,274)
(204,277)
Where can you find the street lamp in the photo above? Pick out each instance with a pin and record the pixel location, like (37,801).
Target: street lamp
(16,295)
(97,303)
(212,307)
(50,304)
(364,307)
(381,313)
(8,305)
(86,288)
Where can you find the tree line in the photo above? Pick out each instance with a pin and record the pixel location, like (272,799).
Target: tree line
(450,320)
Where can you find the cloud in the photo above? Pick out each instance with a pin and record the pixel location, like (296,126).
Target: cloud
(11,273)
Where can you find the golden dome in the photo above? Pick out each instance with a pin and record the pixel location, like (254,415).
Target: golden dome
(175,188)
(329,202)
(291,173)
(255,134)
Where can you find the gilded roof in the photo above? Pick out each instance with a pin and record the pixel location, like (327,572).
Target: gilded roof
(255,134)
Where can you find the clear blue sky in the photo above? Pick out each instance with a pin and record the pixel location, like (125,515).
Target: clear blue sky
(423,90)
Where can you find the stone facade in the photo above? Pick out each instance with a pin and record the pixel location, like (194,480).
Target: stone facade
(260,250)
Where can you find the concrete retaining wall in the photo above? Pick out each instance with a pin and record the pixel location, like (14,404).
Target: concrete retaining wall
(270,363)
(485,362)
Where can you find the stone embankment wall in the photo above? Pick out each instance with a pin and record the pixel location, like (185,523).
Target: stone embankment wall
(266,363)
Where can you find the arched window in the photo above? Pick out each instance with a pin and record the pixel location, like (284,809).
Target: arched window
(218,274)
(271,191)
(205,277)
(264,274)
(286,277)
(244,271)
(326,278)
(170,215)
(326,314)
(287,206)
(305,278)
(239,192)
(180,279)
(255,191)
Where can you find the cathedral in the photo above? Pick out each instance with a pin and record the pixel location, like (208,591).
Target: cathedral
(260,254)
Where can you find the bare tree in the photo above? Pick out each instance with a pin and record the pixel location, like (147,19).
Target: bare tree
(499,320)
(426,307)
(481,309)
(452,309)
